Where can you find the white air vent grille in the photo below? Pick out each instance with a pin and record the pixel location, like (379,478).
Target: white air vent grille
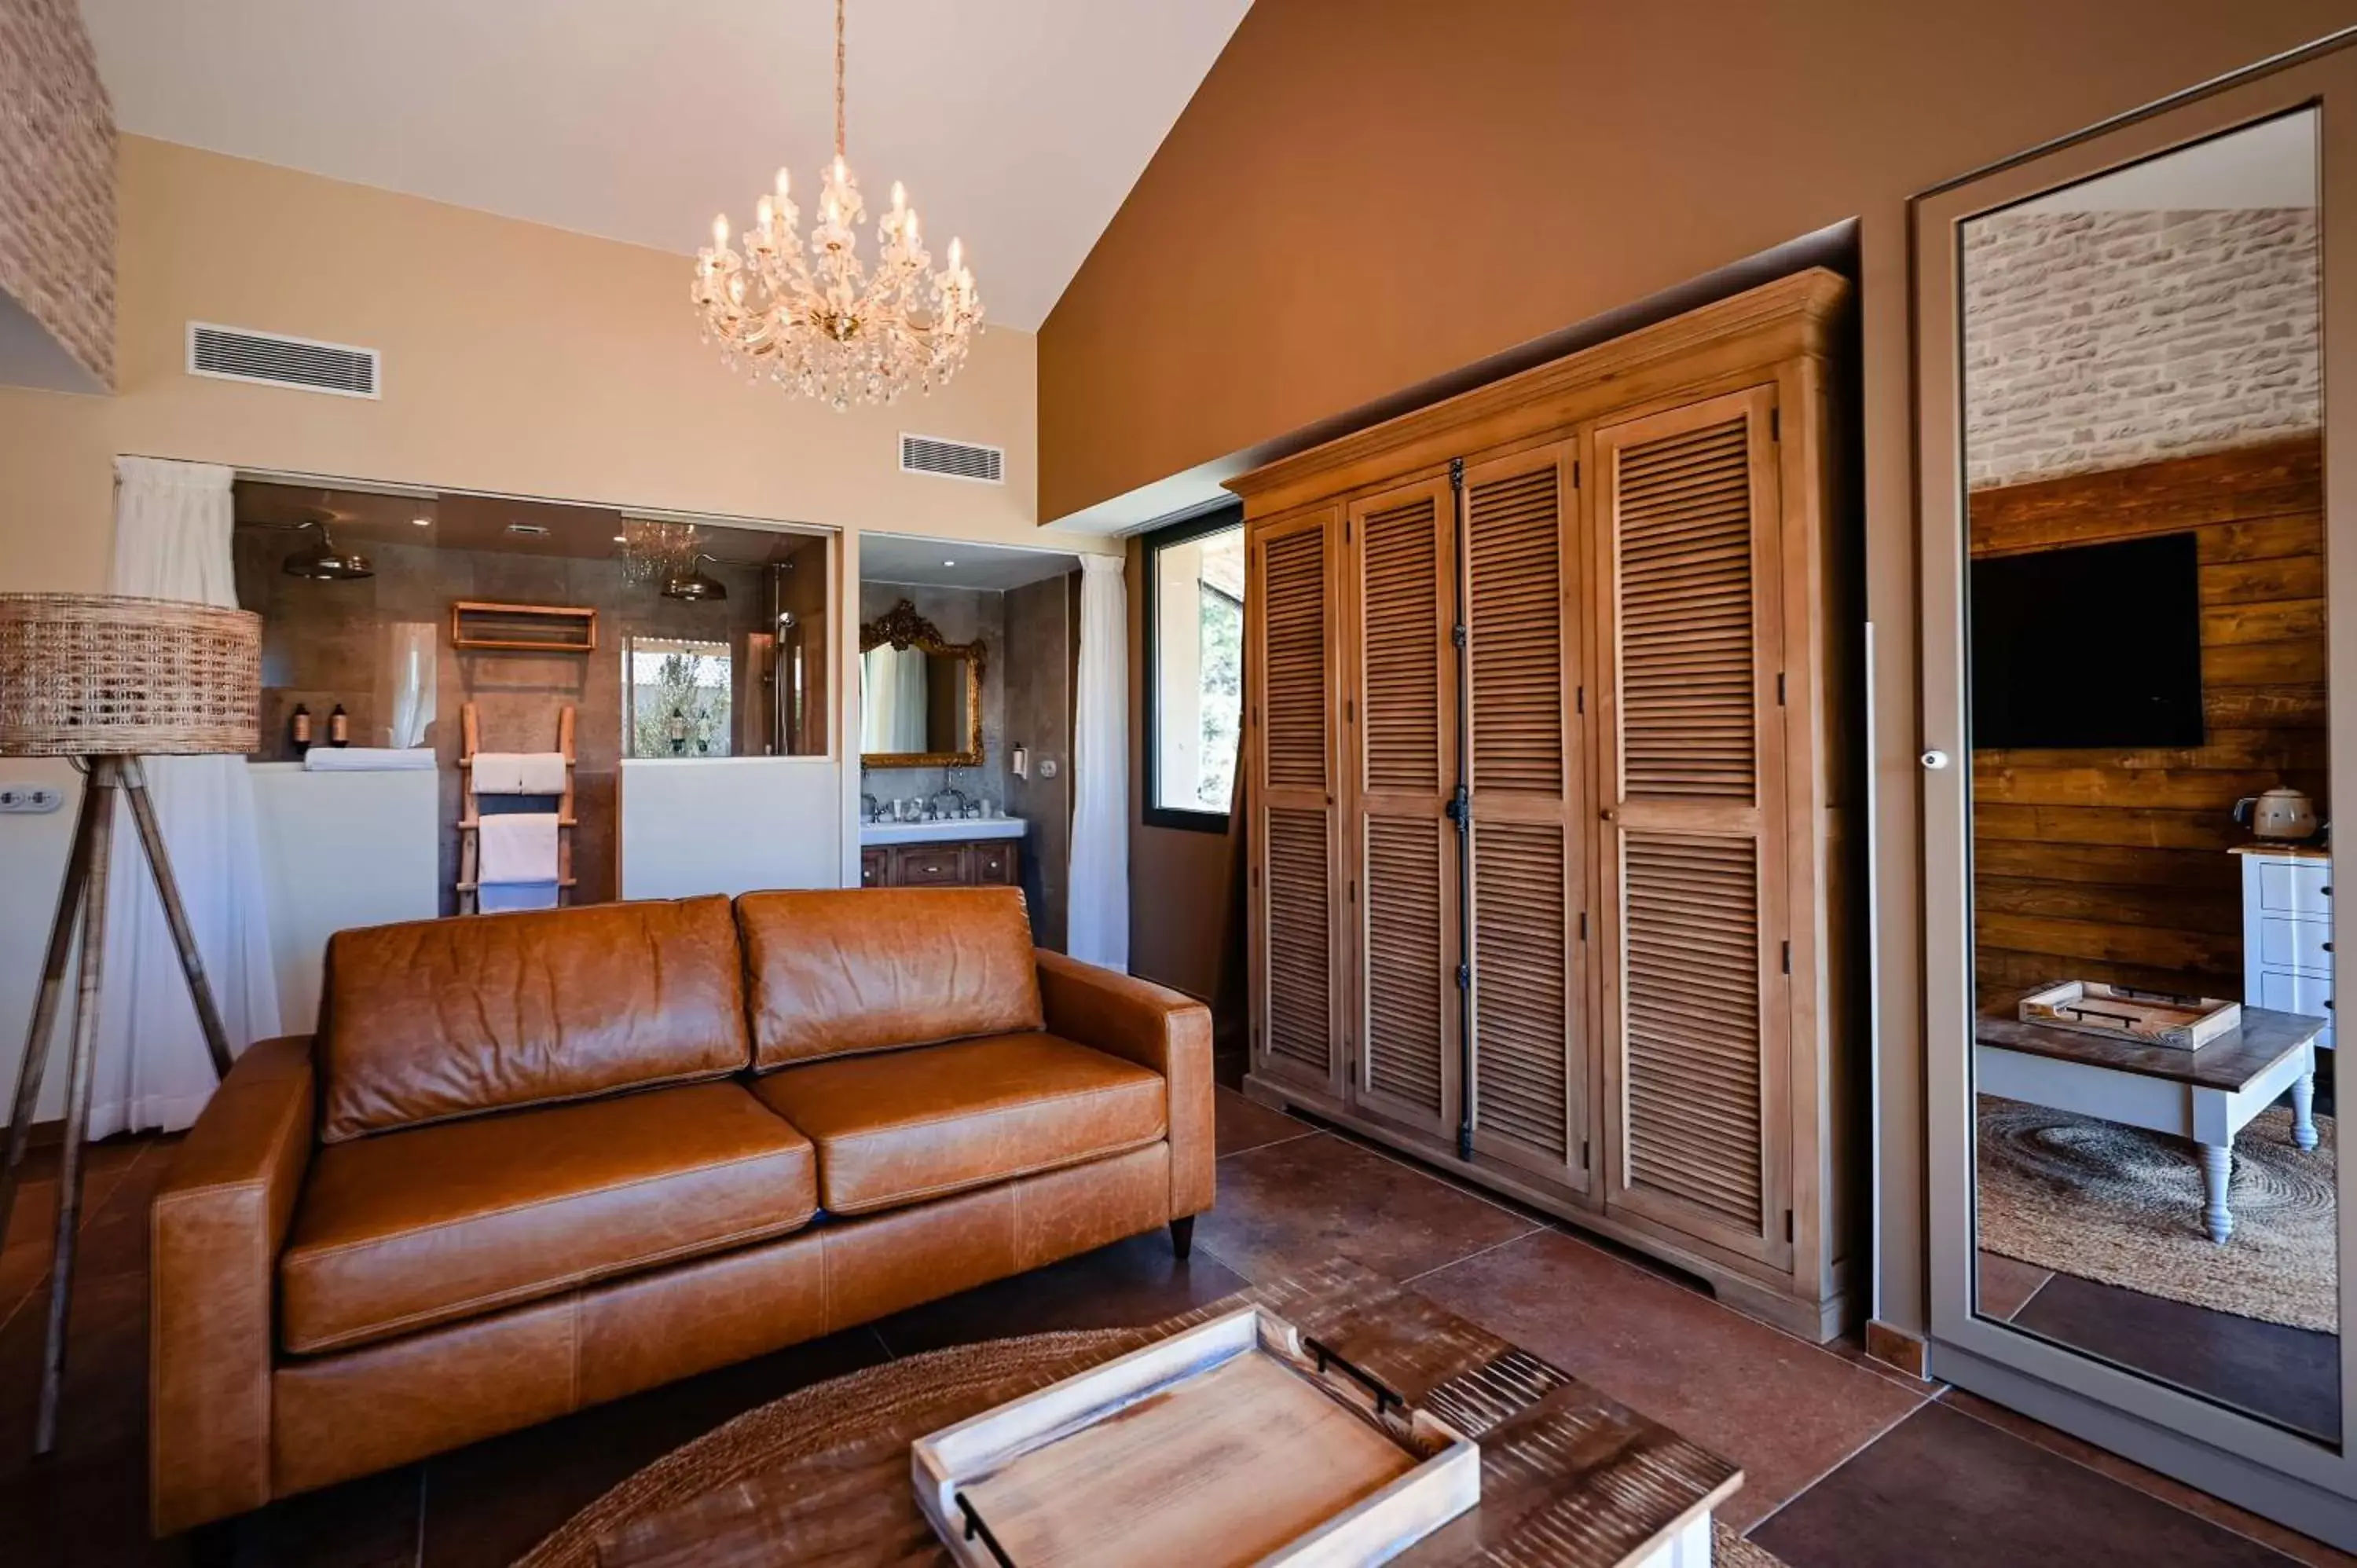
(233,354)
(953,459)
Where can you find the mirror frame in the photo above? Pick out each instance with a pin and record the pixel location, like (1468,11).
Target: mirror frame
(904,628)
(2309,1484)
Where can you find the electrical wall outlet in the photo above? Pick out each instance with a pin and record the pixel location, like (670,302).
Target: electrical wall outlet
(30,799)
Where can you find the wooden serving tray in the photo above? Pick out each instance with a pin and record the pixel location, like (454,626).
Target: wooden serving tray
(2122,1012)
(1238,1443)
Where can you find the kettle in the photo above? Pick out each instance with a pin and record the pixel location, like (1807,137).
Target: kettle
(2278,814)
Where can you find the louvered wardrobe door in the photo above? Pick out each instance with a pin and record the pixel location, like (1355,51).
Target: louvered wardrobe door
(1695,999)
(1531,1061)
(1294,685)
(1400,724)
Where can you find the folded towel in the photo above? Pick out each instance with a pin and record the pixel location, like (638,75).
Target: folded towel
(519,773)
(498,898)
(517,847)
(367,758)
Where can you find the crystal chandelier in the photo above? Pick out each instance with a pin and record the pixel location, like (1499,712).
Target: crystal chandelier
(654,550)
(812,316)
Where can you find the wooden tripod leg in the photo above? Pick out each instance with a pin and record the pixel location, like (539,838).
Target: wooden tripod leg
(45,1004)
(104,778)
(176,914)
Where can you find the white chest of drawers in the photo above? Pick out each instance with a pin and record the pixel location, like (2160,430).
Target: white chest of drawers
(2288,931)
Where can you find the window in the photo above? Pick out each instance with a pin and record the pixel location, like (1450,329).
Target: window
(675,697)
(1195,669)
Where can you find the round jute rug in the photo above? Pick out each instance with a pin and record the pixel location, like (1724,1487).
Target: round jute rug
(2123,1206)
(855,1409)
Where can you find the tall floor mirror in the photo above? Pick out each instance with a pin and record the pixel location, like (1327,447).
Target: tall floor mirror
(2137,619)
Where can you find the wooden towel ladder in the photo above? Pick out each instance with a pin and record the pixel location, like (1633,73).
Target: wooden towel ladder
(470,814)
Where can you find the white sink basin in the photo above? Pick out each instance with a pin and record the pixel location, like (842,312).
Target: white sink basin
(958,830)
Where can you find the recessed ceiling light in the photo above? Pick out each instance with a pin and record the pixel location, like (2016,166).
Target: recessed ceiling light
(949,562)
(423,522)
(528,530)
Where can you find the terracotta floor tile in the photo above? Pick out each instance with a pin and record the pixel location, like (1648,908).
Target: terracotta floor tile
(36,1211)
(489,1503)
(1287,1207)
(1785,1411)
(2290,1543)
(2008,1284)
(2290,1376)
(1240,1124)
(1943,1489)
(1127,1285)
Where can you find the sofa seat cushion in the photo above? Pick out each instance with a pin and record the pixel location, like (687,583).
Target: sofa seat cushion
(406,1230)
(903,1126)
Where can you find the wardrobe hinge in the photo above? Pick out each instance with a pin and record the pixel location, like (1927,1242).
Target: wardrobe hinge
(1583,1154)
(1350,708)
(1780,688)
(1460,809)
(1464,977)
(1574,484)
(1788,958)
(1456,634)
(1351,896)
(1788,1225)
(1580,699)
(1346,531)
(1775,424)
(1456,473)
(1583,924)
(1256,875)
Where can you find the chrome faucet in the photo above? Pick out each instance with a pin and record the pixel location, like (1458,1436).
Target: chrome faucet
(867,806)
(963,800)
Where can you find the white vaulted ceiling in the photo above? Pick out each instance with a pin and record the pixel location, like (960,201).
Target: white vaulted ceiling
(1018,125)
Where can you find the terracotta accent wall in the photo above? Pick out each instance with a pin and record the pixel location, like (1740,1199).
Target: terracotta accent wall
(57,180)
(2112,865)
(2097,341)
(1366,195)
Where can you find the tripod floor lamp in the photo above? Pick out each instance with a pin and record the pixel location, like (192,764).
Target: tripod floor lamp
(106,679)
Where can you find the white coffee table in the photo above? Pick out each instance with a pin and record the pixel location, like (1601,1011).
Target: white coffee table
(2206,1095)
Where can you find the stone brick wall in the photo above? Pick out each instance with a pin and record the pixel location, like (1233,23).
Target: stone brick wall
(2098,340)
(57,180)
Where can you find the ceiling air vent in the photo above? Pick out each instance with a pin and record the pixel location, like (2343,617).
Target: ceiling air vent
(233,354)
(953,459)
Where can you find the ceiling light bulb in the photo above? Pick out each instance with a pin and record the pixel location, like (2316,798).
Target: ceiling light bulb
(720,232)
(957,249)
(840,172)
(949,562)
(899,196)
(785,181)
(762,212)
(913,228)
(423,522)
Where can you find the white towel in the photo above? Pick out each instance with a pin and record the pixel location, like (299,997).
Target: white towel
(517,847)
(499,898)
(367,758)
(519,773)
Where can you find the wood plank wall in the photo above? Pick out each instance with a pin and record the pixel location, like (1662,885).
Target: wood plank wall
(2111,865)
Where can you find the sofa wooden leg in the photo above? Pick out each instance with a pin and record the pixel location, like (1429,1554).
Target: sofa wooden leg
(1182,1236)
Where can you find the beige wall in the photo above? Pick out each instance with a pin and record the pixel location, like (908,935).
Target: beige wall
(518,358)
(1367,194)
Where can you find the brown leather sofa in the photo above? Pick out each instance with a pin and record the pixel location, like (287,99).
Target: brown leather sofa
(531,1162)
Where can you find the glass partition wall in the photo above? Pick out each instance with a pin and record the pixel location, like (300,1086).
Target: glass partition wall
(2133,549)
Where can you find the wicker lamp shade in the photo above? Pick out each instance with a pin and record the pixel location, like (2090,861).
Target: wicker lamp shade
(100,674)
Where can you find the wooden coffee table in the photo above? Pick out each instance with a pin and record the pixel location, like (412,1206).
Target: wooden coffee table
(2206,1095)
(1569,1479)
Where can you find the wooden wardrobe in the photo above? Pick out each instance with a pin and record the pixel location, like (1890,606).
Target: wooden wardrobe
(1550,689)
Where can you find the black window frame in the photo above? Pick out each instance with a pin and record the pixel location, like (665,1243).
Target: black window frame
(1216,520)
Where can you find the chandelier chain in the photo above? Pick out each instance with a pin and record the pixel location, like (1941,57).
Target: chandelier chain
(841,146)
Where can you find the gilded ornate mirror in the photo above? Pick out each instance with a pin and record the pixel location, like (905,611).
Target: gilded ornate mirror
(920,697)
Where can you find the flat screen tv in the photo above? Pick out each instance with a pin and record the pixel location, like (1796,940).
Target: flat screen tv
(2096,646)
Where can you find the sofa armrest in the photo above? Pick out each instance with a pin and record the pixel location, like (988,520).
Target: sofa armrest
(1155,1027)
(218,1224)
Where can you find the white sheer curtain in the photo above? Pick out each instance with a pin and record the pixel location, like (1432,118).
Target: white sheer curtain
(411,653)
(1099,900)
(172,542)
(892,699)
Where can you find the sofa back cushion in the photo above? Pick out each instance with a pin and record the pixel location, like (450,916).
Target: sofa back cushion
(856,969)
(436,1019)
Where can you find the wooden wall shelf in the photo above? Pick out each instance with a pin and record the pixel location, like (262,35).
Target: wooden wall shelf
(488,626)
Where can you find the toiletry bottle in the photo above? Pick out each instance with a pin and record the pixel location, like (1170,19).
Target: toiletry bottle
(298,728)
(340,726)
